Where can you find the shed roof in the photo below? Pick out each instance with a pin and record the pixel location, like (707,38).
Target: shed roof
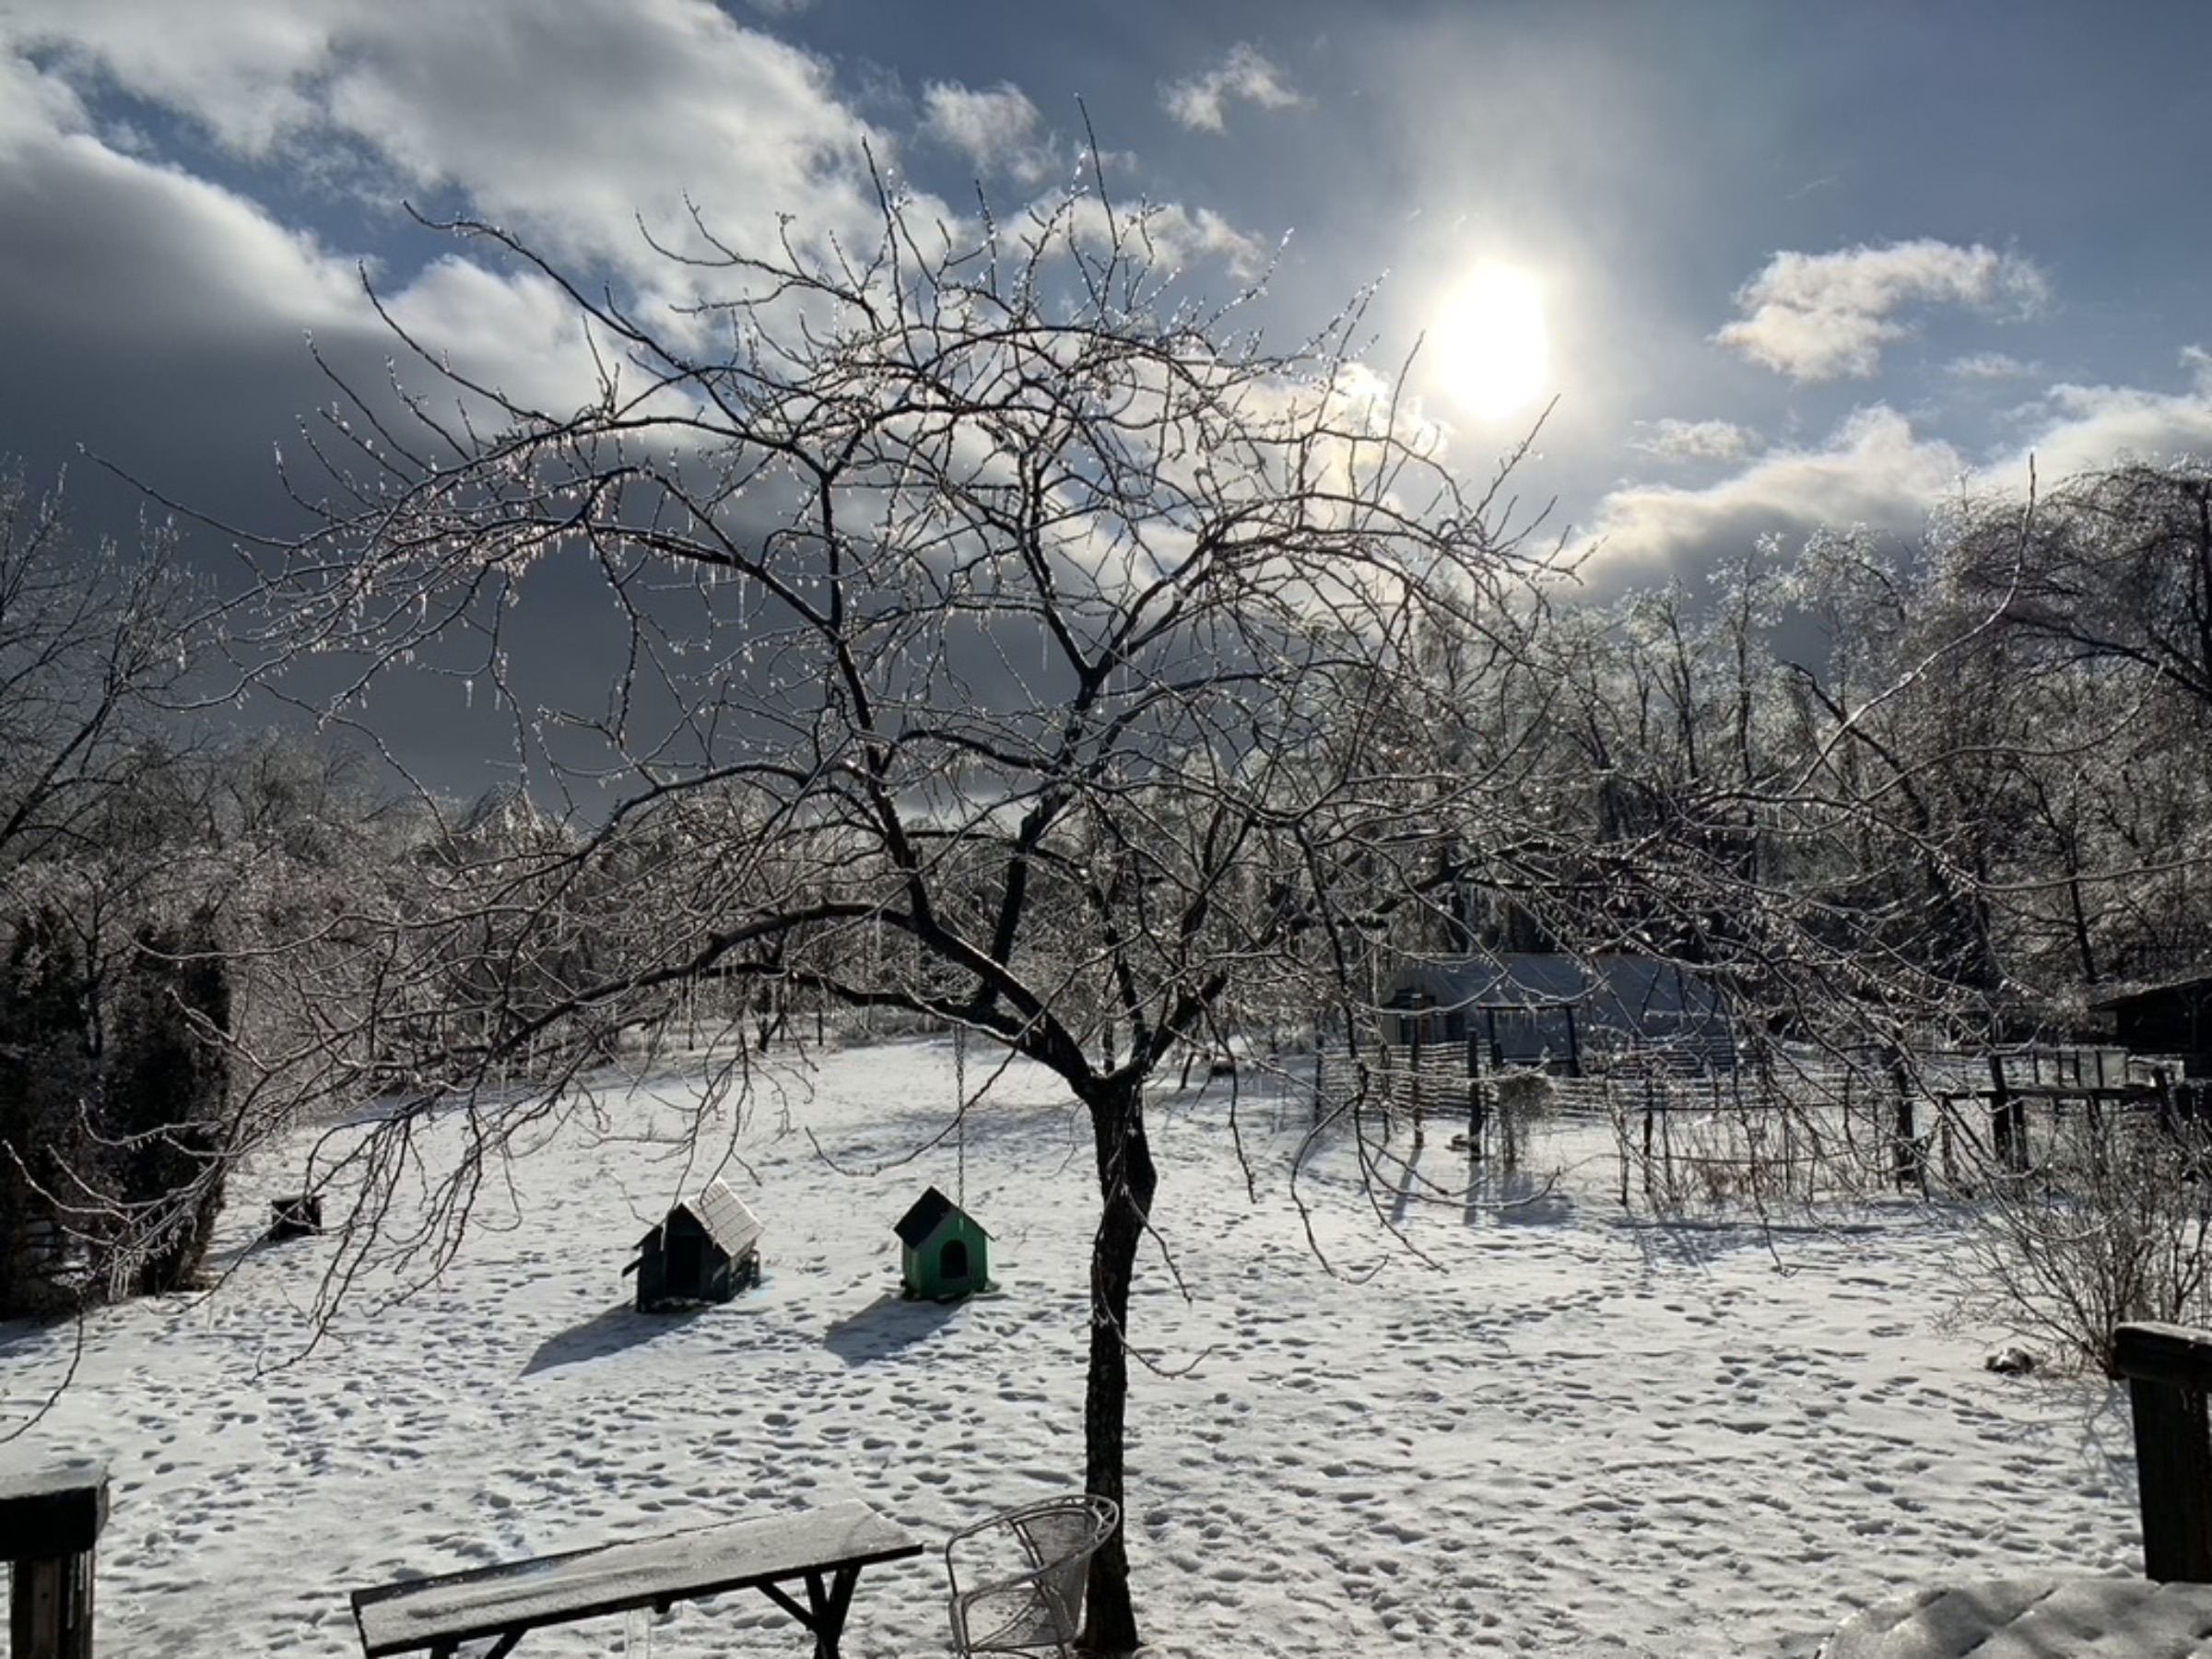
(1629,992)
(928,1215)
(2195,988)
(725,1218)
(722,1216)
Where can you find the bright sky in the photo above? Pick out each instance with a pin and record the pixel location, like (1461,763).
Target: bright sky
(1780,266)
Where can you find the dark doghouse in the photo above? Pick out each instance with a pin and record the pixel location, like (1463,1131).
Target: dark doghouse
(706,1250)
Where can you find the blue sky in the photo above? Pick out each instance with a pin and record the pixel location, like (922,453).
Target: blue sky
(1792,265)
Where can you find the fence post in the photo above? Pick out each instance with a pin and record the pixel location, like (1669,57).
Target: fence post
(49,1523)
(1619,1114)
(1477,1107)
(2008,1119)
(2167,1368)
(1650,1114)
(1413,1072)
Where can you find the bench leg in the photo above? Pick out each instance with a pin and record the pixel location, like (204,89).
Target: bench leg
(827,1605)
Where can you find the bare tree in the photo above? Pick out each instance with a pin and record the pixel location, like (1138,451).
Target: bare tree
(92,642)
(988,633)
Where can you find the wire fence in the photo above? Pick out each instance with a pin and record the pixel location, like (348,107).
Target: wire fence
(1794,1126)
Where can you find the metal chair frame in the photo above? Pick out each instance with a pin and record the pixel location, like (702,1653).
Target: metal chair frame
(1036,1606)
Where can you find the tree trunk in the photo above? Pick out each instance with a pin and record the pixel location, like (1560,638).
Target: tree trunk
(1127,1180)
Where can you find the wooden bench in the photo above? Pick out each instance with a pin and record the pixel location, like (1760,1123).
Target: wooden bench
(820,1551)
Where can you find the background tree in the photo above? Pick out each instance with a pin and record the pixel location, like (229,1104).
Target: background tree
(989,634)
(2099,596)
(94,650)
(92,645)
(47,1070)
(163,1107)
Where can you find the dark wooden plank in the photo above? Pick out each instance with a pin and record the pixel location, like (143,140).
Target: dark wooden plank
(2173,1476)
(2173,1354)
(50,1609)
(52,1509)
(521,1596)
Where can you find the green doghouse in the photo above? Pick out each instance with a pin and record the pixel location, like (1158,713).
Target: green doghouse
(944,1252)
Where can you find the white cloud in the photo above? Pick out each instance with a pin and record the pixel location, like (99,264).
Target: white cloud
(242,69)
(1176,235)
(512,331)
(2199,361)
(1988,366)
(1697,441)
(1872,470)
(995,129)
(2084,429)
(225,267)
(1819,316)
(1200,103)
(1876,470)
(567,125)
(162,313)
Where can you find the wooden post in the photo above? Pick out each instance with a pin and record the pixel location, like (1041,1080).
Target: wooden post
(1906,1166)
(2007,1118)
(2169,1368)
(1619,1114)
(49,1523)
(1414,1070)
(1650,1111)
(1477,1107)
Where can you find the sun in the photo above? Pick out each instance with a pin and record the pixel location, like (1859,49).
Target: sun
(1493,349)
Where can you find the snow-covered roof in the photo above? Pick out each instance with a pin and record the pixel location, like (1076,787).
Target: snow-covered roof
(723,1216)
(727,1219)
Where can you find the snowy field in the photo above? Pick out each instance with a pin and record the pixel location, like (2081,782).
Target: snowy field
(1544,1428)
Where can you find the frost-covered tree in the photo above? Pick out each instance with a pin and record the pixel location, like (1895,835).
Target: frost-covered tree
(93,643)
(989,633)
(48,1068)
(162,1112)
(94,646)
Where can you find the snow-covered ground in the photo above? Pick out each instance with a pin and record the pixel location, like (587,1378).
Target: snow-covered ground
(1544,1427)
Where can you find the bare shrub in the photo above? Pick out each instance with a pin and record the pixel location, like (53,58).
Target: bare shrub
(2115,1225)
